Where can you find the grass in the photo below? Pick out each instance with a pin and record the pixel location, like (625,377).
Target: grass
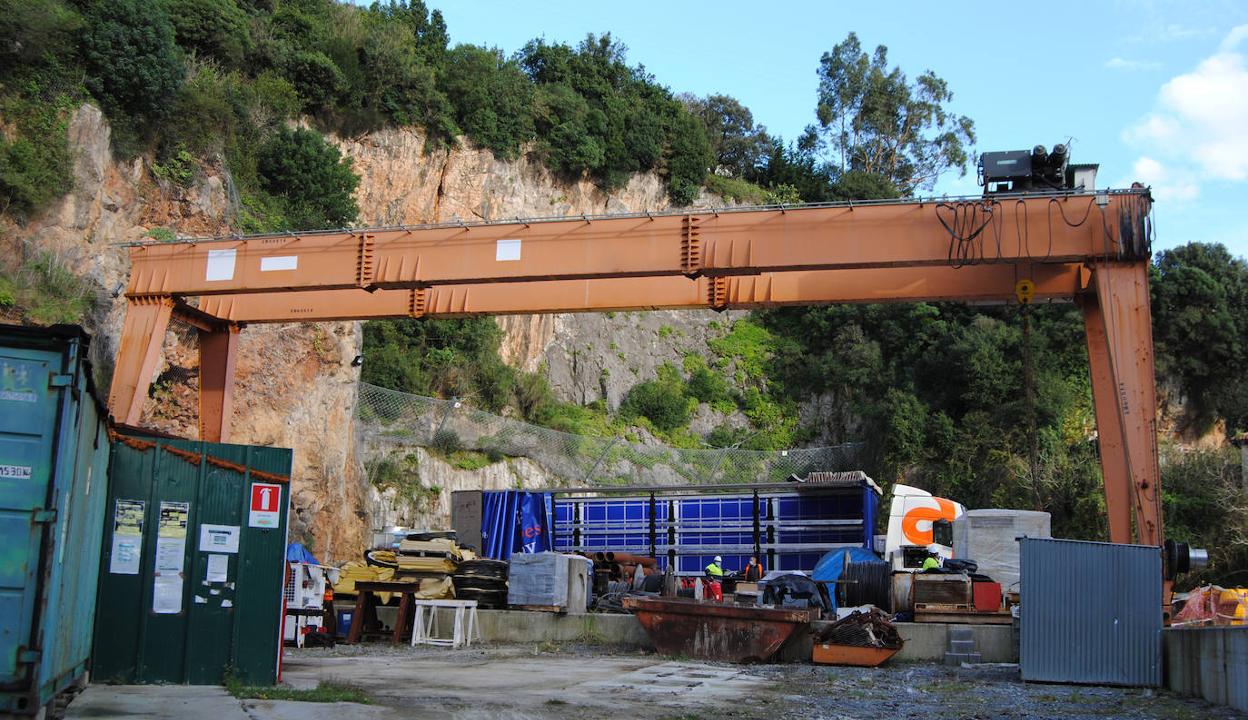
(45,290)
(324,692)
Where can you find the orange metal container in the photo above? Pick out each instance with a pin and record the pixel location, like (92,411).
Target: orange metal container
(827,654)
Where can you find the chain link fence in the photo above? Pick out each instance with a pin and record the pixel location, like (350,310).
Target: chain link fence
(390,423)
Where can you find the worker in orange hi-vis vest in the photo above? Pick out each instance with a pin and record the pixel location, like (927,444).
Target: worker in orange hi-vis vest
(754,570)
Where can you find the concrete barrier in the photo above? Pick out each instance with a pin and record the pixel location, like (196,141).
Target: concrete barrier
(1208,662)
(925,642)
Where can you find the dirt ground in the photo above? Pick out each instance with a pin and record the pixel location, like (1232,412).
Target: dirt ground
(574,682)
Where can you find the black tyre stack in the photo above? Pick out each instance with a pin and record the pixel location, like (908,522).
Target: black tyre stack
(484,581)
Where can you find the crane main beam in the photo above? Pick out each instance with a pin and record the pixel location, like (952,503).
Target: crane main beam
(1092,248)
(1059,229)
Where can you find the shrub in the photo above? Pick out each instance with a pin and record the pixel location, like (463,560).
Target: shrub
(311,177)
(211,28)
(660,401)
(493,98)
(133,64)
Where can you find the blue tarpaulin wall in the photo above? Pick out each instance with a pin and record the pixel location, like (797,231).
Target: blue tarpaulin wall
(514,521)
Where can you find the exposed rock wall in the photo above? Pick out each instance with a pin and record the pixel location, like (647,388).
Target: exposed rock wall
(295,385)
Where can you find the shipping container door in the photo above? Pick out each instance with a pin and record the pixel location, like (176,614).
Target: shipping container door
(27,438)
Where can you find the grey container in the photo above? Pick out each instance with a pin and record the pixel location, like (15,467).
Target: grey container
(1091,613)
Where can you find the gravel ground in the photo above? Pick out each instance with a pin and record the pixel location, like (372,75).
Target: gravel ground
(973,692)
(921,691)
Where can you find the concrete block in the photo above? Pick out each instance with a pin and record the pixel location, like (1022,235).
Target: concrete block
(956,659)
(961,632)
(961,646)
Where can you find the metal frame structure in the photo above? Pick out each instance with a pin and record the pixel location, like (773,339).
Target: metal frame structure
(1092,248)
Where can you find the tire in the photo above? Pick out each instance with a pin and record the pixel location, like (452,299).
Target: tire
(483,568)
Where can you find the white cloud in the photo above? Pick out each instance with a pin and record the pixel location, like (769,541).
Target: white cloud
(1199,127)
(1168,184)
(1126,65)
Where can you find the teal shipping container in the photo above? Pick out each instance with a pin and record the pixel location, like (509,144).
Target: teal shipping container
(194,563)
(54,453)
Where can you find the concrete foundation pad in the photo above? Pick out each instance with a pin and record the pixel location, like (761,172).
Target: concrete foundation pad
(196,702)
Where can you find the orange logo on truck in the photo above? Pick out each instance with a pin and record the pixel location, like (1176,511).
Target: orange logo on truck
(910,522)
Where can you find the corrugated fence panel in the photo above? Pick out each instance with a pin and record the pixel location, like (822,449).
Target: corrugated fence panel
(227,617)
(1091,613)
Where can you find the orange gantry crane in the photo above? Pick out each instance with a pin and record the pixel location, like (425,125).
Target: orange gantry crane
(1092,248)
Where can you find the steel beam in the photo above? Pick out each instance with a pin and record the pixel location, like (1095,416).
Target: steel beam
(142,335)
(218,350)
(1109,432)
(978,283)
(1122,294)
(1062,229)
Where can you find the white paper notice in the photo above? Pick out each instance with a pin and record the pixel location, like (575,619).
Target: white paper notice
(167,594)
(507,250)
(220,265)
(284,262)
(218,568)
(218,538)
(169,553)
(124,559)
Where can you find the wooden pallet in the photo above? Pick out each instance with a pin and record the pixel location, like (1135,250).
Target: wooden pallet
(960,615)
(540,608)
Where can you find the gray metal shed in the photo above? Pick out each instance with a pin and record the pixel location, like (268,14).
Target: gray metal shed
(1091,613)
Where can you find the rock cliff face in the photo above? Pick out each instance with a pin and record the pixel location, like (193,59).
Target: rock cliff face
(295,384)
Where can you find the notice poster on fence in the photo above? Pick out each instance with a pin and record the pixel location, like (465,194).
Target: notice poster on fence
(218,568)
(171,537)
(127,550)
(167,594)
(218,538)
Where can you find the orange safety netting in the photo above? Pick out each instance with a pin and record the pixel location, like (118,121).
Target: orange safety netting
(1213,605)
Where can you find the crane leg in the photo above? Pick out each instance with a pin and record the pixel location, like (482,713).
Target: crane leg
(1119,330)
(217,352)
(147,319)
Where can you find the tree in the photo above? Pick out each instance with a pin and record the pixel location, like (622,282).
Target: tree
(737,144)
(132,61)
(212,28)
(493,98)
(310,176)
(35,31)
(1200,322)
(873,119)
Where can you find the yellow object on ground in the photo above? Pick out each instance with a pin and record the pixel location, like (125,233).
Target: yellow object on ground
(436,589)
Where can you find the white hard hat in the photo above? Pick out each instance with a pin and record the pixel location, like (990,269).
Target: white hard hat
(933,548)
(718,559)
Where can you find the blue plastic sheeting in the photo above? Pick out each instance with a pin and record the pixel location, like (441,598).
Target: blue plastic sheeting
(296,552)
(514,521)
(830,566)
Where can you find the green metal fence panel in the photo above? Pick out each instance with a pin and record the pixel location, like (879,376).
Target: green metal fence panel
(208,598)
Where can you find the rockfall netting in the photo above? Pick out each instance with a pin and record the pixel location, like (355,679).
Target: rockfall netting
(390,423)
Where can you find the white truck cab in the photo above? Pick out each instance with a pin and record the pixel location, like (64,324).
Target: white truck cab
(916,520)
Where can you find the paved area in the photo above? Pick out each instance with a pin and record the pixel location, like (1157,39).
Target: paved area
(581,683)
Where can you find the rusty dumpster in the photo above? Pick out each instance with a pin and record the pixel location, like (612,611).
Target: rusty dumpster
(713,631)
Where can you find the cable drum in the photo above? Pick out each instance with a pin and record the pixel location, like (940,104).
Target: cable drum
(866,583)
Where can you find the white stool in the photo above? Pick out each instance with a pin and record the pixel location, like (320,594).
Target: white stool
(463,631)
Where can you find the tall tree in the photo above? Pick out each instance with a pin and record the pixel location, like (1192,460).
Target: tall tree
(738,144)
(873,119)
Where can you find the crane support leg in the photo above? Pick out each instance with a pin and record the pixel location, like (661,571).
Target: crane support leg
(1120,351)
(218,349)
(147,319)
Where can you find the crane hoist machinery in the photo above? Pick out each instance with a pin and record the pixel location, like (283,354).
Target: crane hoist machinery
(1048,242)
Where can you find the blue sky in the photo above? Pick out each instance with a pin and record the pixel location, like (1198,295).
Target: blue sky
(1155,91)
